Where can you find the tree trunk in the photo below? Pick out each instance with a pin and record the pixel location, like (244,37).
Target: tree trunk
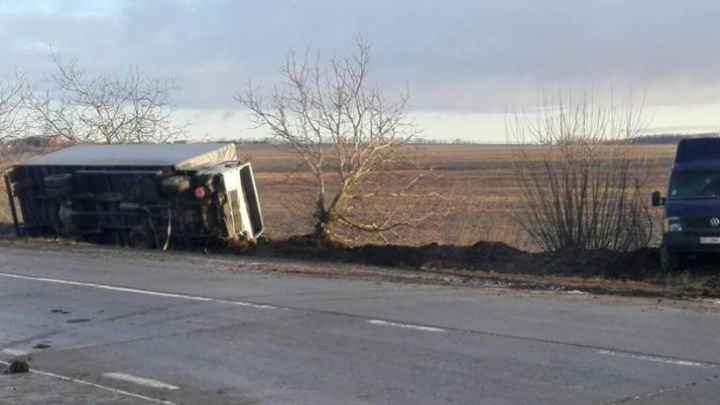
(324,224)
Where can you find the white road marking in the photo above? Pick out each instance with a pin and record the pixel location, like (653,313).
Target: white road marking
(14,352)
(140,381)
(405,325)
(666,360)
(137,291)
(245,304)
(94,385)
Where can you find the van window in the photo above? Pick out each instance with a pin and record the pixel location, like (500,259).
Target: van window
(695,185)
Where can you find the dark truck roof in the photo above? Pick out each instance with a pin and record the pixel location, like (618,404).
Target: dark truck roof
(698,149)
(177,156)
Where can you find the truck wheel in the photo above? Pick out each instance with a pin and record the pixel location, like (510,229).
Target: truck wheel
(176,184)
(59,192)
(58,180)
(669,261)
(141,236)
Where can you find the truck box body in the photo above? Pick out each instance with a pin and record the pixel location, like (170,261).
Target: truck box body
(137,195)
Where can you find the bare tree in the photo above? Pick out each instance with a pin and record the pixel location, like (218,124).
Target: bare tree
(134,108)
(13,125)
(580,177)
(345,129)
(13,116)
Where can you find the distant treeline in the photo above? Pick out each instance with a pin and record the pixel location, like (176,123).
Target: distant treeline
(654,139)
(661,139)
(418,140)
(41,142)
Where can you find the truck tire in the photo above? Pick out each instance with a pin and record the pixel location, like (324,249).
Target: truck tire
(59,192)
(669,261)
(176,184)
(141,236)
(58,180)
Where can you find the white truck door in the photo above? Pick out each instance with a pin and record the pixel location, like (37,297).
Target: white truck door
(238,221)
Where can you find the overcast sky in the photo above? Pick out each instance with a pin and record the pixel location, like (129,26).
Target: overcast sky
(464,61)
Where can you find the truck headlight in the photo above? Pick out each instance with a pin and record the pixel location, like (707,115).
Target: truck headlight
(673,224)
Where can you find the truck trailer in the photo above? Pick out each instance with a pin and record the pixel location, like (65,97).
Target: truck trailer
(151,196)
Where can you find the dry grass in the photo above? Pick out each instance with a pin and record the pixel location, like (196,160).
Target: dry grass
(471,194)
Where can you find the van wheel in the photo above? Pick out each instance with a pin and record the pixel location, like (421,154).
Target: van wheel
(668,261)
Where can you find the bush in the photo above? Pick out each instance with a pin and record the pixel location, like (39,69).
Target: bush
(581,182)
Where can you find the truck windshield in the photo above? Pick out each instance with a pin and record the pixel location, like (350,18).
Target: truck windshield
(695,185)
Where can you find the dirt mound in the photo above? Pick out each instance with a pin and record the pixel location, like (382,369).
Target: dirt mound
(500,257)
(390,255)
(301,247)
(17,367)
(634,265)
(494,259)
(478,256)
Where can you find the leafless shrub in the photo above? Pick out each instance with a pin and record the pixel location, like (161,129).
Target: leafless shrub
(111,109)
(13,116)
(347,133)
(581,182)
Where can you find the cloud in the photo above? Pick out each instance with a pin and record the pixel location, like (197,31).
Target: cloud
(463,55)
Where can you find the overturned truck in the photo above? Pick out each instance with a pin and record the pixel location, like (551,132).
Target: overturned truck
(151,196)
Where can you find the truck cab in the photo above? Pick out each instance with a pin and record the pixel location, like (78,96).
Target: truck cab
(238,199)
(691,223)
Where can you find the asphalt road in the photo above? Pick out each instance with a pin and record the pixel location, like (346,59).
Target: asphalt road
(109,326)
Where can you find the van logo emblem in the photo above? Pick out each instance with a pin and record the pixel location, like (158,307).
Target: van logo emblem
(715,222)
